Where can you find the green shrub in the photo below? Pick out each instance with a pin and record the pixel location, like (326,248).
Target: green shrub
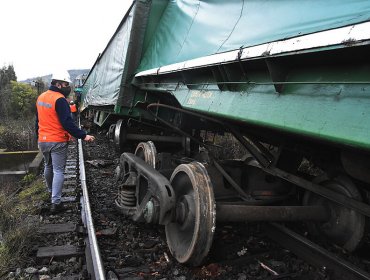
(18,135)
(17,223)
(28,179)
(23,100)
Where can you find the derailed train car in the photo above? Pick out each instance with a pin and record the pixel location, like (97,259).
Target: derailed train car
(290,80)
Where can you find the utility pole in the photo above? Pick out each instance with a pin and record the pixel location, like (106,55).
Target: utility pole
(37,84)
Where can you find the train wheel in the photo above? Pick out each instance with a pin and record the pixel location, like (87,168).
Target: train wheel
(147,152)
(190,236)
(345,227)
(111,130)
(119,137)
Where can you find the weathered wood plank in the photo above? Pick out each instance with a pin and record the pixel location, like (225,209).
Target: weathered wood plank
(68,199)
(66,251)
(18,172)
(68,190)
(71,277)
(57,228)
(69,182)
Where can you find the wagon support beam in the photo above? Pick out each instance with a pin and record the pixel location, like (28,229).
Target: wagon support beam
(246,213)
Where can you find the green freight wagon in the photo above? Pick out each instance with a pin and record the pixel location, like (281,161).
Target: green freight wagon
(290,80)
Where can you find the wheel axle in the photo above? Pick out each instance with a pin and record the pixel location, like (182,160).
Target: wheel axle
(245,213)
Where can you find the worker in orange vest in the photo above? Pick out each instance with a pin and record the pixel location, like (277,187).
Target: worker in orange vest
(73,108)
(54,126)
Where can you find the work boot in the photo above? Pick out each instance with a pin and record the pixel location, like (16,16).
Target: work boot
(56,208)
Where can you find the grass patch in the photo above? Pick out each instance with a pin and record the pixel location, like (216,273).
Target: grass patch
(18,223)
(33,195)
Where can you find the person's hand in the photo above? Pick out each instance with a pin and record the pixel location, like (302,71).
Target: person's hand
(89,138)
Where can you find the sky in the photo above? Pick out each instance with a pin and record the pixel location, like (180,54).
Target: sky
(41,37)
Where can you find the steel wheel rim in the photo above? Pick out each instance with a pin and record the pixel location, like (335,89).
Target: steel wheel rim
(119,135)
(147,152)
(344,219)
(190,240)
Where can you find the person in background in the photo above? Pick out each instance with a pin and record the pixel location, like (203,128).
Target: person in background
(54,126)
(78,96)
(73,108)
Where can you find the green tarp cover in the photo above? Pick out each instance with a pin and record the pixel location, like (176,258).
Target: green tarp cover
(190,29)
(102,86)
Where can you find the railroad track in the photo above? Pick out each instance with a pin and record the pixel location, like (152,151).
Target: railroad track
(137,250)
(329,263)
(140,250)
(68,241)
(96,268)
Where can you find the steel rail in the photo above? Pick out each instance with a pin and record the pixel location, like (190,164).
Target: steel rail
(99,273)
(314,254)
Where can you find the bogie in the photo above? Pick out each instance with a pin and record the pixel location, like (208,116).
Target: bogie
(242,190)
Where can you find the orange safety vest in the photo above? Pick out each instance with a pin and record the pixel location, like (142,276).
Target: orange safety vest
(50,128)
(73,108)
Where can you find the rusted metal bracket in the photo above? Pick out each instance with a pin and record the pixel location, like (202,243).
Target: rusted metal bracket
(346,201)
(152,189)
